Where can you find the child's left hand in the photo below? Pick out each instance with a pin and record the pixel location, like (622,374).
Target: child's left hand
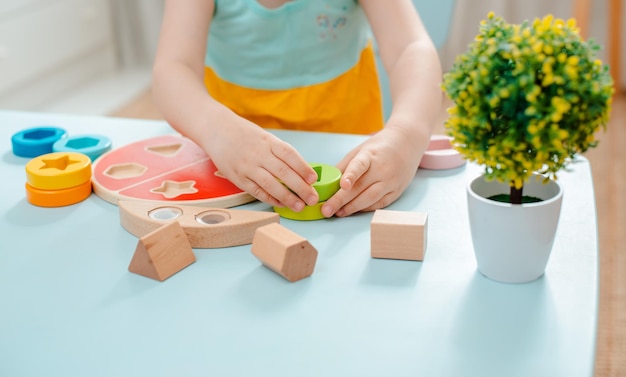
(376,172)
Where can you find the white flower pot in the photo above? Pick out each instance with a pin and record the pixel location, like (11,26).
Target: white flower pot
(512,243)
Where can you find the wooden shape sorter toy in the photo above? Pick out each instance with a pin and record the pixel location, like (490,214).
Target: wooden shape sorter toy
(205,227)
(284,252)
(162,253)
(164,169)
(399,235)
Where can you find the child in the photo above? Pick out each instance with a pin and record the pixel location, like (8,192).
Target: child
(305,65)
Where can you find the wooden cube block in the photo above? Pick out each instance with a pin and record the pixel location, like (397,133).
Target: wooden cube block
(283,251)
(399,235)
(162,252)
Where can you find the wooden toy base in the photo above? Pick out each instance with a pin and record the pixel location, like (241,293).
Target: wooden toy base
(205,227)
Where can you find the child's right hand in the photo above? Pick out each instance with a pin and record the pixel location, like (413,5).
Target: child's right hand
(257,162)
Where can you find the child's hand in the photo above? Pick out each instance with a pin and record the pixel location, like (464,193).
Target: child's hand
(257,162)
(376,172)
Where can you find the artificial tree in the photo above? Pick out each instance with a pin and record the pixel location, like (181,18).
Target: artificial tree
(527,98)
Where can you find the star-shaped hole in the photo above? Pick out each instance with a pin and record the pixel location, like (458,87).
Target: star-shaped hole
(60,163)
(172,189)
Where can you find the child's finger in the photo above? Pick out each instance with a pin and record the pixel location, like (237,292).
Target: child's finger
(355,169)
(289,156)
(264,186)
(292,180)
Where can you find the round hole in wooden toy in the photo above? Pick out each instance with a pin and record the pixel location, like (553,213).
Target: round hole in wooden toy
(165,213)
(212,217)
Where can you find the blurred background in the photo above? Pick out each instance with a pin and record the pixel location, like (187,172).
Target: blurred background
(94,56)
(76,56)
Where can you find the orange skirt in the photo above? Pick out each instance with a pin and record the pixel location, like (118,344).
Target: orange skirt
(349,103)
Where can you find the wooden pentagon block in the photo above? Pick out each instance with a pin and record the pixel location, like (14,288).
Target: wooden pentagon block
(283,251)
(162,253)
(399,235)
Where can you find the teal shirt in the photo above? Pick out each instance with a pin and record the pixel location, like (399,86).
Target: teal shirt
(301,43)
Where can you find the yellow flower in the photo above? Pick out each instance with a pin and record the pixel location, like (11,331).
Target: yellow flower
(547,66)
(571,72)
(571,24)
(560,104)
(573,60)
(547,21)
(548,50)
(556,117)
(547,79)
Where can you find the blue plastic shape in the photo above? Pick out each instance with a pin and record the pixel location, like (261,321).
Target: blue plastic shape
(36,141)
(89,144)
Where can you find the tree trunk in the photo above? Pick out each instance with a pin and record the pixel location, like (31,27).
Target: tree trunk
(516,194)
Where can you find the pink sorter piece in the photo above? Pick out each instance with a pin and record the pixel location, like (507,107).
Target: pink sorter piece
(439,154)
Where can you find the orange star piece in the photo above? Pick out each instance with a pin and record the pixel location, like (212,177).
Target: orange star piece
(172,189)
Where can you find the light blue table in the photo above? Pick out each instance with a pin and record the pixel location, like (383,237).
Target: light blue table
(69,307)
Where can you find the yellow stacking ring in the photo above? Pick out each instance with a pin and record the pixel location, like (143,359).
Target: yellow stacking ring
(58,198)
(58,171)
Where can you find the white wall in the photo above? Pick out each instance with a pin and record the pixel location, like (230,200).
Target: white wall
(137,24)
